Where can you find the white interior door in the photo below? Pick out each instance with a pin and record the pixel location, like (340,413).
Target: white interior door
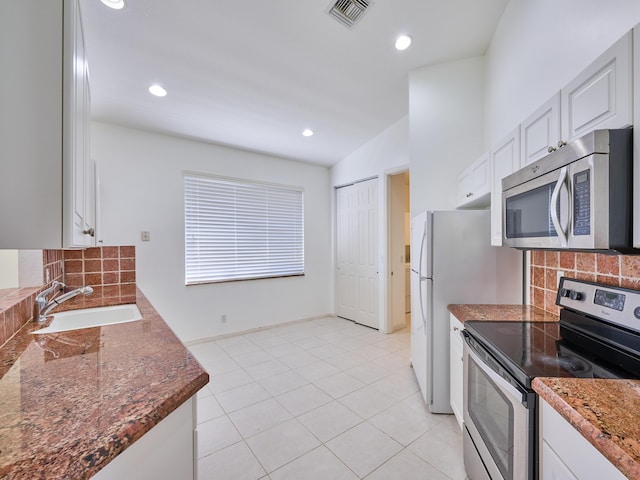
(345,252)
(357,252)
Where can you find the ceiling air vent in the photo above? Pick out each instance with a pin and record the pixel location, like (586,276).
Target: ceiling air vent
(349,12)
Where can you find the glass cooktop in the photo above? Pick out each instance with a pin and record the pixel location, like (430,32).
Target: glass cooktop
(536,349)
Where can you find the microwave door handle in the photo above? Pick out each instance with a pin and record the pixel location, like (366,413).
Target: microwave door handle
(555,198)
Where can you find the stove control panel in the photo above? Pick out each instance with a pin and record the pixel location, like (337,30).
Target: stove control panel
(612,304)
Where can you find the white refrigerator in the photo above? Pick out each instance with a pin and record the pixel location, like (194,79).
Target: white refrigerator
(452,261)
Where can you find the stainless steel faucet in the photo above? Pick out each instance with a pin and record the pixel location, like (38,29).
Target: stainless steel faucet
(45,306)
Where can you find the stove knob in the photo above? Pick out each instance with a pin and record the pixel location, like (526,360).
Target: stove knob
(564,292)
(573,295)
(636,312)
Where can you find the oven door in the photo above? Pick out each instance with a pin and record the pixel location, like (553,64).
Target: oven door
(558,209)
(499,420)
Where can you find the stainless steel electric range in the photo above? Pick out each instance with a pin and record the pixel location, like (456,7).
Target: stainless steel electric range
(598,336)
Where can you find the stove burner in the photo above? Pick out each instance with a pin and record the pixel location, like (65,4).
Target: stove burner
(578,367)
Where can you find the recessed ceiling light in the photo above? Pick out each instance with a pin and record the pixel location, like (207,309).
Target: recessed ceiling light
(307,132)
(157,90)
(403,42)
(115,4)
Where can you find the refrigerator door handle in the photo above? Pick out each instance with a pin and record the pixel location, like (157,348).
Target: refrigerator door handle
(421,278)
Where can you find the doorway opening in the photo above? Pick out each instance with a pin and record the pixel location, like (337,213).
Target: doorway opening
(399,255)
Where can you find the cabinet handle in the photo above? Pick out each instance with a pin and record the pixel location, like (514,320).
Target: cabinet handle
(551,149)
(470,194)
(90,231)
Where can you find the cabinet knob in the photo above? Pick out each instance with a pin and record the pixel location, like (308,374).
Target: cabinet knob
(470,194)
(551,149)
(91,231)
(455,329)
(561,143)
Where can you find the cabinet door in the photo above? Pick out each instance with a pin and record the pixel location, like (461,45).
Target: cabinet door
(601,96)
(474,183)
(565,453)
(505,159)
(78,171)
(455,367)
(552,467)
(166,452)
(540,131)
(481,174)
(30,124)
(464,185)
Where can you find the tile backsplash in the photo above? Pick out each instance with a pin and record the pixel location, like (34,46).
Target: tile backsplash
(616,270)
(110,271)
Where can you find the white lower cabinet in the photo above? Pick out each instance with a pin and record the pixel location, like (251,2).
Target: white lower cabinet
(455,367)
(567,455)
(166,452)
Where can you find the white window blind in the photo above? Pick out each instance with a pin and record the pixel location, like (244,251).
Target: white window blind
(237,230)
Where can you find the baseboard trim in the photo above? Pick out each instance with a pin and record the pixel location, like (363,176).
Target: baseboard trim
(257,329)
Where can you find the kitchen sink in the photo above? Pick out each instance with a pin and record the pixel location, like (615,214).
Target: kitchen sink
(91,317)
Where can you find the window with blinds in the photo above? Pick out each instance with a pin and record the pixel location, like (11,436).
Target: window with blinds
(239,230)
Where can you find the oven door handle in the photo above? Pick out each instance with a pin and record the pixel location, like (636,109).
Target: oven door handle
(505,386)
(555,198)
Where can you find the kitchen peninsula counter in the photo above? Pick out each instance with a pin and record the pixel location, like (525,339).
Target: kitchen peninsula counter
(71,402)
(508,313)
(605,412)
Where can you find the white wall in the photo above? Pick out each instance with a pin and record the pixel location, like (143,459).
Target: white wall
(446,117)
(8,269)
(386,153)
(539,46)
(142,189)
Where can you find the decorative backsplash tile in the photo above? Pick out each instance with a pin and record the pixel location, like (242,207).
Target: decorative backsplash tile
(110,271)
(615,270)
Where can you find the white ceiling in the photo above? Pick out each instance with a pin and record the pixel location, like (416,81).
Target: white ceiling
(253,74)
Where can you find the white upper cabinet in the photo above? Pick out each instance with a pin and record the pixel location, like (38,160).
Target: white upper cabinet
(505,159)
(540,132)
(474,184)
(601,96)
(79,200)
(47,199)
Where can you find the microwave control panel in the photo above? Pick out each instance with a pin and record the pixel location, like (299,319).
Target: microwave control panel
(582,203)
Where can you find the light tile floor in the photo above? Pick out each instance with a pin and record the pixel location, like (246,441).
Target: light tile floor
(322,399)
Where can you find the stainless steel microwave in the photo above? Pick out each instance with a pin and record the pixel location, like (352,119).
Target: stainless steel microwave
(579,197)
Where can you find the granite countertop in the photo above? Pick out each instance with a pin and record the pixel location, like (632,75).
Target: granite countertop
(523,313)
(605,412)
(71,402)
